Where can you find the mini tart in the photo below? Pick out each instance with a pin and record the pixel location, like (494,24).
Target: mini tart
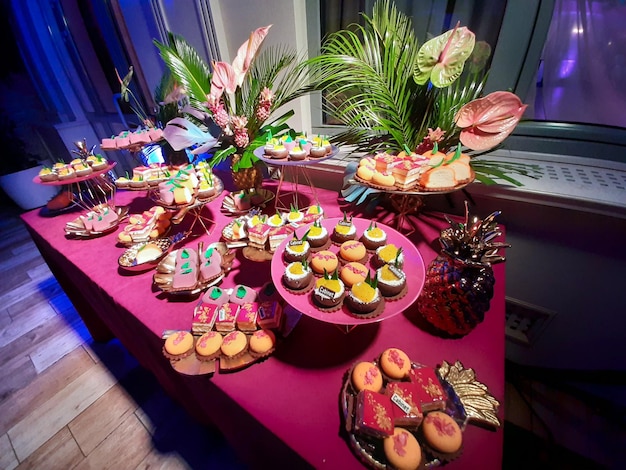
(442,435)
(391,280)
(366,376)
(343,232)
(324,260)
(395,363)
(262,343)
(234,344)
(374,238)
(318,236)
(294,217)
(353,250)
(279,152)
(364,300)
(328,293)
(297,153)
(46,174)
(402,450)
(178,345)
(387,254)
(122,182)
(297,250)
(353,273)
(297,278)
(208,346)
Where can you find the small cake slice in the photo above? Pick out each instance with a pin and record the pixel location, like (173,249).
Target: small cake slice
(247,315)
(204,316)
(430,393)
(270,314)
(406,409)
(226,317)
(373,414)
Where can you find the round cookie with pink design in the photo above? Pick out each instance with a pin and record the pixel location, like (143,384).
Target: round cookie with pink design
(442,433)
(395,363)
(402,450)
(367,376)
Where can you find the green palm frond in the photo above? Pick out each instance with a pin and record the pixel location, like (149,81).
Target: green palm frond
(187,66)
(165,112)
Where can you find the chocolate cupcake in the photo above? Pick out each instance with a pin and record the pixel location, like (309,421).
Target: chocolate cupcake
(389,253)
(344,230)
(329,291)
(365,299)
(298,276)
(374,237)
(391,280)
(318,236)
(297,249)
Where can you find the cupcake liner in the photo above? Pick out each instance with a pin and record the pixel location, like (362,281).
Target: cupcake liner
(234,363)
(397,296)
(373,314)
(262,355)
(323,247)
(332,309)
(302,291)
(338,241)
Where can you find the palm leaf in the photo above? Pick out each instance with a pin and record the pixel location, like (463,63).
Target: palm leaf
(187,66)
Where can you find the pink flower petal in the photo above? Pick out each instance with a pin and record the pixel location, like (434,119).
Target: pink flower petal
(476,139)
(247,51)
(223,79)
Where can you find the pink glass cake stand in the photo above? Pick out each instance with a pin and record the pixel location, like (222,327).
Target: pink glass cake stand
(295,171)
(413,267)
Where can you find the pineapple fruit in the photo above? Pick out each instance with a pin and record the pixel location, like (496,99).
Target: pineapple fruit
(459,282)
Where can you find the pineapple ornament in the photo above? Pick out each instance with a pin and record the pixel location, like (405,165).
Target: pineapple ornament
(459,282)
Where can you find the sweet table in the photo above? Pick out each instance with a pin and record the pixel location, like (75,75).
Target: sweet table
(283,412)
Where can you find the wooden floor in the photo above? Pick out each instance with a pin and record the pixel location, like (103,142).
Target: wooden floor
(67,402)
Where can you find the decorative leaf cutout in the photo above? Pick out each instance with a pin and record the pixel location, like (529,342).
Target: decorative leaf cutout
(442,58)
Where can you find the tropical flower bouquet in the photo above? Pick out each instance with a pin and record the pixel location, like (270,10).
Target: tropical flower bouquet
(393,95)
(230,104)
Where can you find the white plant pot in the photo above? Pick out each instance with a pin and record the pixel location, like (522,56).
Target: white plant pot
(27,194)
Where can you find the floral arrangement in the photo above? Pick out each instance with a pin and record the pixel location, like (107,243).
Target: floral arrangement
(230,103)
(393,94)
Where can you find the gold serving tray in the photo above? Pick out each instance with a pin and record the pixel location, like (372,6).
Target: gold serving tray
(164,276)
(128,260)
(77,229)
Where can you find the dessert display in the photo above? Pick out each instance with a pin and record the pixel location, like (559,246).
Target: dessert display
(132,140)
(408,171)
(149,225)
(355,295)
(297,149)
(86,166)
(387,415)
(258,198)
(102,219)
(144,256)
(227,335)
(179,272)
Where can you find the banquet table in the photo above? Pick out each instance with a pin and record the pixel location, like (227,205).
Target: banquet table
(282,412)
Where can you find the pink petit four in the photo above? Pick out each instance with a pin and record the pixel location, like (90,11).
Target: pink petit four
(204,316)
(108,144)
(258,234)
(242,294)
(139,138)
(270,314)
(373,414)
(185,275)
(210,264)
(215,296)
(226,317)
(246,318)
(155,134)
(430,393)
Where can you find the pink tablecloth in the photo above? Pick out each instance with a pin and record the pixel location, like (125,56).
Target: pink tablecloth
(284,411)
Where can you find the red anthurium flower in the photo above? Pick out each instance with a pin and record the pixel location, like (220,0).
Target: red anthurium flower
(488,121)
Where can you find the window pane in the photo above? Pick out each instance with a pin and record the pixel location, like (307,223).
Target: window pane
(582,72)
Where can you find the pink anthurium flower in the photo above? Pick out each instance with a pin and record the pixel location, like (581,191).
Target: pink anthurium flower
(247,51)
(223,79)
(488,121)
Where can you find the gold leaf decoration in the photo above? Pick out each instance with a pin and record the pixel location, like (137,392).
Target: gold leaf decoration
(480,405)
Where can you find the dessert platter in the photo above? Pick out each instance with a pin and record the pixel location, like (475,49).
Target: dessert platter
(66,174)
(100,220)
(402,414)
(144,256)
(348,271)
(404,173)
(291,153)
(231,329)
(149,225)
(241,202)
(189,271)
